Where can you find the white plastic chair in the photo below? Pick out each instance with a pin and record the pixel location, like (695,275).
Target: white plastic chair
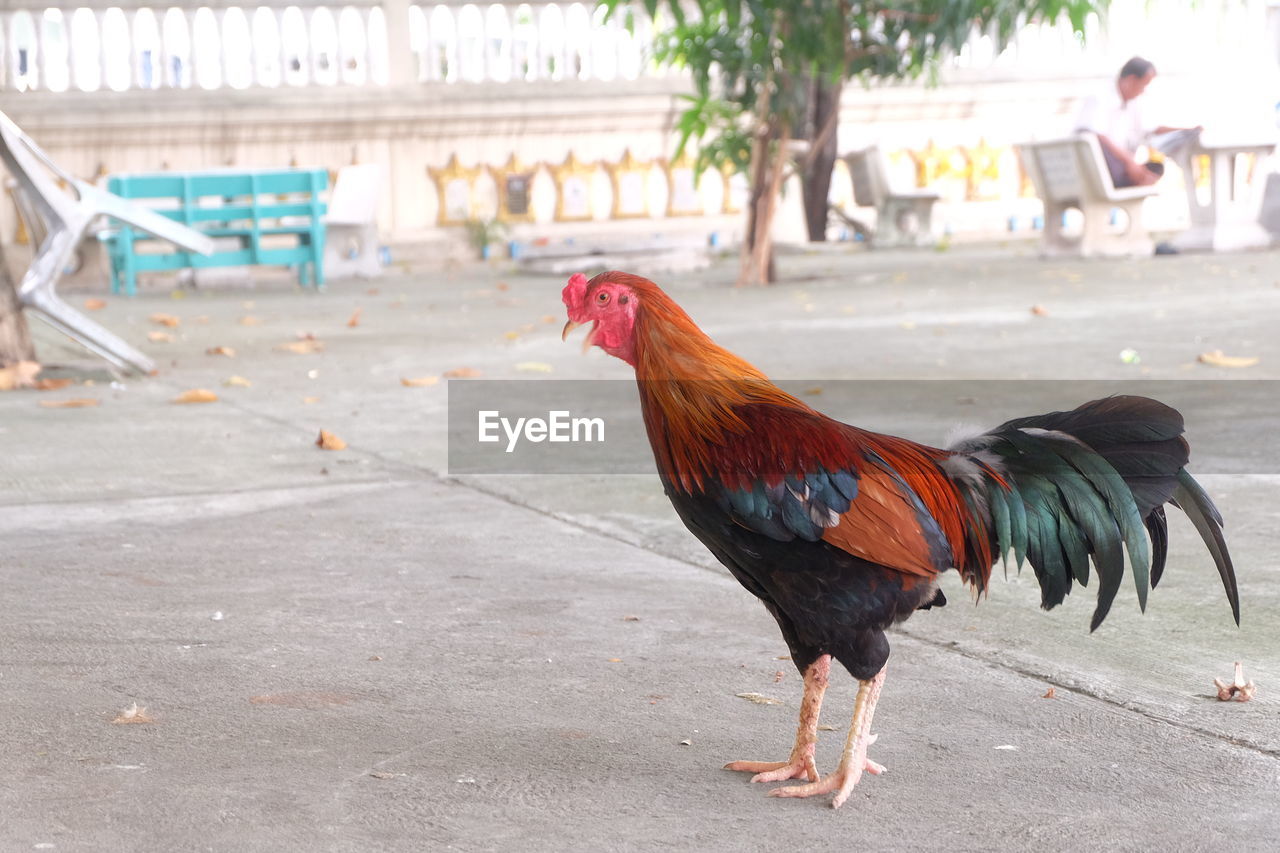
(903,217)
(351,225)
(67,216)
(1072,173)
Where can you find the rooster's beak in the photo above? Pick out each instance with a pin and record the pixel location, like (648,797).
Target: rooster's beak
(569,326)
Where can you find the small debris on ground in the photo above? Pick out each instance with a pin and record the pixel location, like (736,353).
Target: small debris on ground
(21,374)
(133,715)
(237,382)
(196,395)
(686,742)
(1216,358)
(463,373)
(1238,690)
(306,346)
(94,304)
(419,381)
(329,441)
(158,337)
(73,403)
(759,698)
(227,351)
(1039,311)
(354,319)
(165,320)
(1049,694)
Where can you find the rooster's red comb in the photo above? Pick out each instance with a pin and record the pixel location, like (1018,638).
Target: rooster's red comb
(575,295)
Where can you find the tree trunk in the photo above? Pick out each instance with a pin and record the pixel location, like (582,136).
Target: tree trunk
(769,168)
(15,339)
(816,175)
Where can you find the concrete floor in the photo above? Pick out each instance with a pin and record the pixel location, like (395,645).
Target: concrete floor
(353,650)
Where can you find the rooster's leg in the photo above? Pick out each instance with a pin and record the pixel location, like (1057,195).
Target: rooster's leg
(854,760)
(800,765)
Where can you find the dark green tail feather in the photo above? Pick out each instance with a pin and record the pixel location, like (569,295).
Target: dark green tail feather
(1064,495)
(1199,507)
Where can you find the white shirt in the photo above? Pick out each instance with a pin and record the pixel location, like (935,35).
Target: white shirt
(1120,121)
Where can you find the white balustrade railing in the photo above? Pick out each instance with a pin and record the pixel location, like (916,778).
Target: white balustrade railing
(126,44)
(121,45)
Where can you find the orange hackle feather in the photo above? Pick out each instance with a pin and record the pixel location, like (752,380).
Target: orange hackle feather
(711,414)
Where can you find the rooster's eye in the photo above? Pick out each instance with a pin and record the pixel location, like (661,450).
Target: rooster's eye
(602,297)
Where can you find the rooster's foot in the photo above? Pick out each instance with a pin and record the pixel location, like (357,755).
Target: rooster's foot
(797,767)
(841,782)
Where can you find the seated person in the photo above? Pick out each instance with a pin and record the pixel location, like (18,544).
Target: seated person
(1115,117)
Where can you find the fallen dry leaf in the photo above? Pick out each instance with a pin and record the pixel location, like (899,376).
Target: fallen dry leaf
(20,374)
(237,382)
(463,373)
(503,286)
(419,381)
(303,347)
(615,660)
(533,367)
(512,336)
(133,715)
(227,351)
(778,676)
(354,320)
(825,728)
(51,384)
(1049,694)
(549,318)
(759,698)
(165,320)
(630,618)
(196,395)
(1039,311)
(250,320)
(95,304)
(1217,359)
(307,401)
(73,403)
(329,441)
(160,337)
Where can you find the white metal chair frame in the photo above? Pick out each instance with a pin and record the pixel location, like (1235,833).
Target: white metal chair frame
(67,215)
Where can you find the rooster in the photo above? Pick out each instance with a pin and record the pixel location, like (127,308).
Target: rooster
(842,532)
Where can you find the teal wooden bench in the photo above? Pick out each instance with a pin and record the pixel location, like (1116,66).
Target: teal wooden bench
(269,217)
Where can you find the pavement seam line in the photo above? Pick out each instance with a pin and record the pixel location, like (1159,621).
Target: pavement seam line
(945,646)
